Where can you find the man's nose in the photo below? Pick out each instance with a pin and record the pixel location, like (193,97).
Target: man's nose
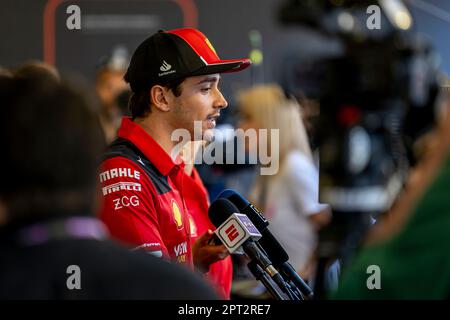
(220,101)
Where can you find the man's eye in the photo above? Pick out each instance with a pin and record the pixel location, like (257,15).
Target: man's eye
(205,90)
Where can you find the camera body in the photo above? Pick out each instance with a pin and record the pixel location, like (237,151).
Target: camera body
(377,97)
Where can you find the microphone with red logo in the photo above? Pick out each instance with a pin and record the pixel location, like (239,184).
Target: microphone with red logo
(235,230)
(268,242)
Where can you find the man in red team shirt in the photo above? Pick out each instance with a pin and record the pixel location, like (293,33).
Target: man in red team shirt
(196,197)
(149,201)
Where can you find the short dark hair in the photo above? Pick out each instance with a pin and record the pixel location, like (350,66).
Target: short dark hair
(37,70)
(52,143)
(139,104)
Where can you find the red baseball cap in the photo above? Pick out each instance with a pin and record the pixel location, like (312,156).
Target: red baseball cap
(170,55)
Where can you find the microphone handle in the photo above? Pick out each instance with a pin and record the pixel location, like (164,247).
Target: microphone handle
(262,276)
(290,272)
(294,288)
(272,248)
(252,250)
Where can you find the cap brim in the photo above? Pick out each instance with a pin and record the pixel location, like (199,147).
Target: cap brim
(224,66)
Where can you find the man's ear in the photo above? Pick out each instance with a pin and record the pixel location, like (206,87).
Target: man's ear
(160,97)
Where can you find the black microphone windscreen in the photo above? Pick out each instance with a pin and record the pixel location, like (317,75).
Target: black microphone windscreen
(274,249)
(239,201)
(220,210)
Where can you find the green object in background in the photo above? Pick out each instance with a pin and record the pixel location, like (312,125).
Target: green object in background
(256,54)
(415,264)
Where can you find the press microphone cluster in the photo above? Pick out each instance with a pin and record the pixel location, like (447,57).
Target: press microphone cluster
(236,231)
(268,242)
(240,226)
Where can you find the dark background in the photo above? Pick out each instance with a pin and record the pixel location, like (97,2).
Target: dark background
(225,22)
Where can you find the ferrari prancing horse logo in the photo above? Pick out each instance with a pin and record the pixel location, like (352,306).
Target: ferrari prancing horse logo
(210,45)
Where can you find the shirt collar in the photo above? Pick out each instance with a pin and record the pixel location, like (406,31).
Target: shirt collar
(134,133)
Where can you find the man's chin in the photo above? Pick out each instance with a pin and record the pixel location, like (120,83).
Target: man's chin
(201,132)
(208,135)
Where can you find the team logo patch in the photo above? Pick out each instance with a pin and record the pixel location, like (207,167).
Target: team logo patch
(129,186)
(180,249)
(165,66)
(177,215)
(166,69)
(119,172)
(210,45)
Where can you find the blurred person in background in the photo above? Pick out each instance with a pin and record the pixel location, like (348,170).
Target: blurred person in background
(5,72)
(51,245)
(289,198)
(111,87)
(38,71)
(410,244)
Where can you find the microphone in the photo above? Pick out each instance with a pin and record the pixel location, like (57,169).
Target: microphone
(236,230)
(246,208)
(262,276)
(269,243)
(280,260)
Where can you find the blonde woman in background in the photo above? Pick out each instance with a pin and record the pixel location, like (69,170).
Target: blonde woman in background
(289,198)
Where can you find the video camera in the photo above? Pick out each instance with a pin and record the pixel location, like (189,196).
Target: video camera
(377,98)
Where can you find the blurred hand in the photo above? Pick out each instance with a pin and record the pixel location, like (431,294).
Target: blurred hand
(205,253)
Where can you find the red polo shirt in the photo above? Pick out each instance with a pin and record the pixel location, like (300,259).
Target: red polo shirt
(196,196)
(142,190)
(150,203)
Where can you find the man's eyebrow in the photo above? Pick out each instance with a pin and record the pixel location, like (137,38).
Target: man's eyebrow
(210,79)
